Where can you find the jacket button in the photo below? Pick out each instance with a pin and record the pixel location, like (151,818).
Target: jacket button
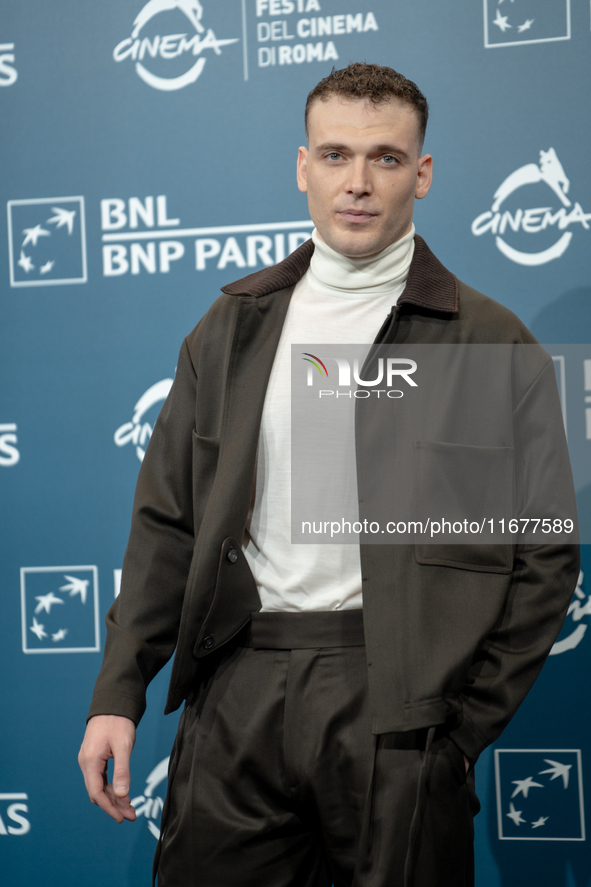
(208,642)
(232,555)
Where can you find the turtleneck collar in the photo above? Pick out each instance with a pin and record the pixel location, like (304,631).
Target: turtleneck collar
(335,274)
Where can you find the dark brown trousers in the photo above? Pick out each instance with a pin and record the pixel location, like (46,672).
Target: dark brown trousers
(277,781)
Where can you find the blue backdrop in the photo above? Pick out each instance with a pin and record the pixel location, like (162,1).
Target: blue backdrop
(148,157)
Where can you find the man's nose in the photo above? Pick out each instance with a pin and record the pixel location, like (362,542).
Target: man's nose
(359,179)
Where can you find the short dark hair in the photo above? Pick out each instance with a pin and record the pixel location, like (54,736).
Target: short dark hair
(374,82)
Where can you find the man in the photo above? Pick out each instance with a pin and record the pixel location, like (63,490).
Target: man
(330,737)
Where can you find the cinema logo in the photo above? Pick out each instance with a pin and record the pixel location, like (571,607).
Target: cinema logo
(500,220)
(150,803)
(140,237)
(139,431)
(387,370)
(168,51)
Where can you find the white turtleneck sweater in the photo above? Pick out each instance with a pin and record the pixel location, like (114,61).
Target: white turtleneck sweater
(339,300)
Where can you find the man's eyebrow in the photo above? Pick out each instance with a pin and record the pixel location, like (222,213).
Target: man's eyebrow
(388,149)
(375,149)
(331,146)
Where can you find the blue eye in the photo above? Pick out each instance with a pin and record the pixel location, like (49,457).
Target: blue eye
(334,155)
(389,159)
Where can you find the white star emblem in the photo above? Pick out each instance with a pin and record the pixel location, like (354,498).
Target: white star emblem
(25,262)
(47,267)
(63,217)
(557,770)
(501,21)
(33,234)
(515,815)
(524,785)
(76,586)
(60,634)
(38,629)
(525,26)
(541,821)
(45,602)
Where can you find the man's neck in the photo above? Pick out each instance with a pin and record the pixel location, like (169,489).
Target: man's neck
(365,275)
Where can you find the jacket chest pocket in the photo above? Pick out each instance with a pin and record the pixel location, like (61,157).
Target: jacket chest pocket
(465,496)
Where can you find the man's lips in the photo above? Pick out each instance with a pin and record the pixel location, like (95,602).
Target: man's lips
(357,216)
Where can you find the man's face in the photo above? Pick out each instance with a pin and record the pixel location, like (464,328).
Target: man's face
(362,172)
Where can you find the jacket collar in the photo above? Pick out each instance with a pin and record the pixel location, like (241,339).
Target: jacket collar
(429,285)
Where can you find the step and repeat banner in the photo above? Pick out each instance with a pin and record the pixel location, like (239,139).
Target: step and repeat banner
(148,157)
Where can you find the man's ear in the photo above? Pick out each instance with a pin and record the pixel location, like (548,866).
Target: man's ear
(302,169)
(424,176)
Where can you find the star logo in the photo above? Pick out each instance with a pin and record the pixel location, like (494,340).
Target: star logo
(515,815)
(501,21)
(38,629)
(63,217)
(60,609)
(524,785)
(518,27)
(47,241)
(554,811)
(25,262)
(76,586)
(557,770)
(46,601)
(33,234)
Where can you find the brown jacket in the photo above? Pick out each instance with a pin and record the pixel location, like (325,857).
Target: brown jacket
(450,636)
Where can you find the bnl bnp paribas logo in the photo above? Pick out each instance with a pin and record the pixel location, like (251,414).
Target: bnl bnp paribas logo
(172,60)
(141,236)
(60,610)
(525,21)
(539,794)
(46,241)
(545,225)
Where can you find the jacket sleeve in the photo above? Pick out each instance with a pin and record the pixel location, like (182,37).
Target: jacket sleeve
(544,576)
(142,624)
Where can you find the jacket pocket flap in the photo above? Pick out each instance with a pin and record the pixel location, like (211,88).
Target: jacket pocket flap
(464,494)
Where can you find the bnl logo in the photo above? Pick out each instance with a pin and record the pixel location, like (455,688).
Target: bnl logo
(59,609)
(539,794)
(47,241)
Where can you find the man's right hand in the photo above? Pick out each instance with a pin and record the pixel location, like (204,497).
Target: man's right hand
(108,736)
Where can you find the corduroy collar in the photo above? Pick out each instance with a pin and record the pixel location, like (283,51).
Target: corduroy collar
(429,285)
